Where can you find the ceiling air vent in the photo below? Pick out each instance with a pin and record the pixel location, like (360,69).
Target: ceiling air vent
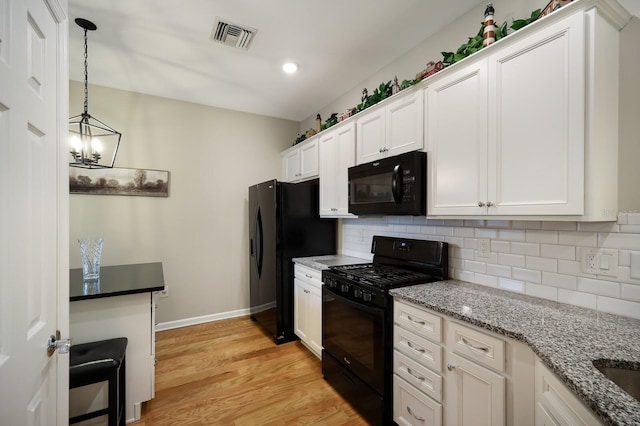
(231,34)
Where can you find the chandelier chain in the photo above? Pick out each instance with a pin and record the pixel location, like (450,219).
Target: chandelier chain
(86,75)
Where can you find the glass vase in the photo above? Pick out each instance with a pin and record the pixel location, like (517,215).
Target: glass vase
(90,250)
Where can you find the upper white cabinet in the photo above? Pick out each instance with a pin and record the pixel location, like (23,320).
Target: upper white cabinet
(390,129)
(529,126)
(300,162)
(337,153)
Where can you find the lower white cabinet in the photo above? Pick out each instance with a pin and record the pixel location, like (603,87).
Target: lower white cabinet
(555,404)
(411,407)
(307,309)
(449,373)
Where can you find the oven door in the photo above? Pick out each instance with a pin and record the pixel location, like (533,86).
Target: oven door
(353,333)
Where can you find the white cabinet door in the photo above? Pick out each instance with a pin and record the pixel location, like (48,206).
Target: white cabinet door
(405,124)
(456,127)
(370,136)
(337,153)
(536,122)
(300,308)
(474,395)
(328,178)
(309,159)
(314,318)
(291,165)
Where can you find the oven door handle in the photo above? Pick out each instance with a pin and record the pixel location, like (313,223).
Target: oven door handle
(396,184)
(375,310)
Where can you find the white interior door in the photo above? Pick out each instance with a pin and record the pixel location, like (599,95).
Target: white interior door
(34,212)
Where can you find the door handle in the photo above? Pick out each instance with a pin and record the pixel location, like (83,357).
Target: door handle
(55,342)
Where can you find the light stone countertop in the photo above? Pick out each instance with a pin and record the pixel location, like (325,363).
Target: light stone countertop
(325,262)
(566,338)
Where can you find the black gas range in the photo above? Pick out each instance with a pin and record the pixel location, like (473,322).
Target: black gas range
(357,319)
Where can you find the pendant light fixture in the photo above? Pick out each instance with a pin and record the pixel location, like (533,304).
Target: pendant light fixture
(93,144)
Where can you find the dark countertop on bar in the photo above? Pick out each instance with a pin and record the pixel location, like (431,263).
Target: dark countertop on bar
(117,281)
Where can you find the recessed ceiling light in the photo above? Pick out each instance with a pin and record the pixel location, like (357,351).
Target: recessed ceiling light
(290,67)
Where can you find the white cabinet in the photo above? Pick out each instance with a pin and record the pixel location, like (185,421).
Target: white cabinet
(390,129)
(307,309)
(300,162)
(516,130)
(337,153)
(457,374)
(555,404)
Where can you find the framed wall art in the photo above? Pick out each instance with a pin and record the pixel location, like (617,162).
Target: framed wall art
(119,181)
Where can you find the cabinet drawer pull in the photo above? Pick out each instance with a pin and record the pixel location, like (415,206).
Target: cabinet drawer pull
(481,204)
(414,375)
(416,321)
(308,276)
(451,367)
(417,349)
(418,418)
(472,346)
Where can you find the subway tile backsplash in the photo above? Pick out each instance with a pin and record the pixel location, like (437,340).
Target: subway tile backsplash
(541,259)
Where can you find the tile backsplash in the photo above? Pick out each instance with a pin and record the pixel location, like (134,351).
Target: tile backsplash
(541,259)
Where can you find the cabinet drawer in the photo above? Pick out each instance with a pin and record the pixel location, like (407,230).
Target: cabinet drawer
(411,407)
(307,274)
(417,320)
(477,346)
(418,348)
(419,376)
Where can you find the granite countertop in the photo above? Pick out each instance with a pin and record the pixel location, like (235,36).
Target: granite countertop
(325,262)
(566,338)
(117,280)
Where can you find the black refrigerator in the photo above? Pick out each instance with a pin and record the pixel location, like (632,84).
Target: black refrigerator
(284,223)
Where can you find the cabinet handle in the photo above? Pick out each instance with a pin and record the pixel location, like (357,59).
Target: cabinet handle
(308,276)
(481,204)
(380,150)
(415,321)
(415,348)
(416,376)
(450,367)
(489,204)
(472,346)
(418,418)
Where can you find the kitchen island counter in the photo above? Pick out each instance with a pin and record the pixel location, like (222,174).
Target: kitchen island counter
(566,338)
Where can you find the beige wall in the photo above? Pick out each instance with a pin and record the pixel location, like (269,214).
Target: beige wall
(200,231)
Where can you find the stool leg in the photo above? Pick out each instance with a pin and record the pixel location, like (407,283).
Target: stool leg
(122,411)
(113,397)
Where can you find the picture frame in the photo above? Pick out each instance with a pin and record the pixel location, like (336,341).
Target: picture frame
(119,181)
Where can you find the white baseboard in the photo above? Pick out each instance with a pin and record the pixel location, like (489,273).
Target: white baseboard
(201,320)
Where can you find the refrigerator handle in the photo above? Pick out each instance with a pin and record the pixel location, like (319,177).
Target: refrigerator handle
(251,247)
(259,243)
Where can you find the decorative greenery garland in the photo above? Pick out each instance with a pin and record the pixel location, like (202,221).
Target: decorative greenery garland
(384,90)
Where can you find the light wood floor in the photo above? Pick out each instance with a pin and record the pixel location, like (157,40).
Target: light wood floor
(230,373)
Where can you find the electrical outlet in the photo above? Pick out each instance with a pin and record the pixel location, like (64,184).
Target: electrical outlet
(484,247)
(600,262)
(165,292)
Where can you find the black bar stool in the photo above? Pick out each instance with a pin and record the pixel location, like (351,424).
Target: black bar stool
(97,362)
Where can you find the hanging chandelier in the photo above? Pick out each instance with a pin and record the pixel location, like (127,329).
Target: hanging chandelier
(93,144)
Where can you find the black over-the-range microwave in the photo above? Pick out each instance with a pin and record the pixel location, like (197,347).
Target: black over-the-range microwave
(390,186)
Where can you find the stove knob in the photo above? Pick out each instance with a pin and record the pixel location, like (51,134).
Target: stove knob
(367,297)
(357,293)
(332,282)
(345,288)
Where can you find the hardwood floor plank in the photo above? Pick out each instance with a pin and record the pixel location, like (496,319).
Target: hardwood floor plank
(231,373)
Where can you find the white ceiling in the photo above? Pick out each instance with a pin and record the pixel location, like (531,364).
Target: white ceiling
(162,47)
